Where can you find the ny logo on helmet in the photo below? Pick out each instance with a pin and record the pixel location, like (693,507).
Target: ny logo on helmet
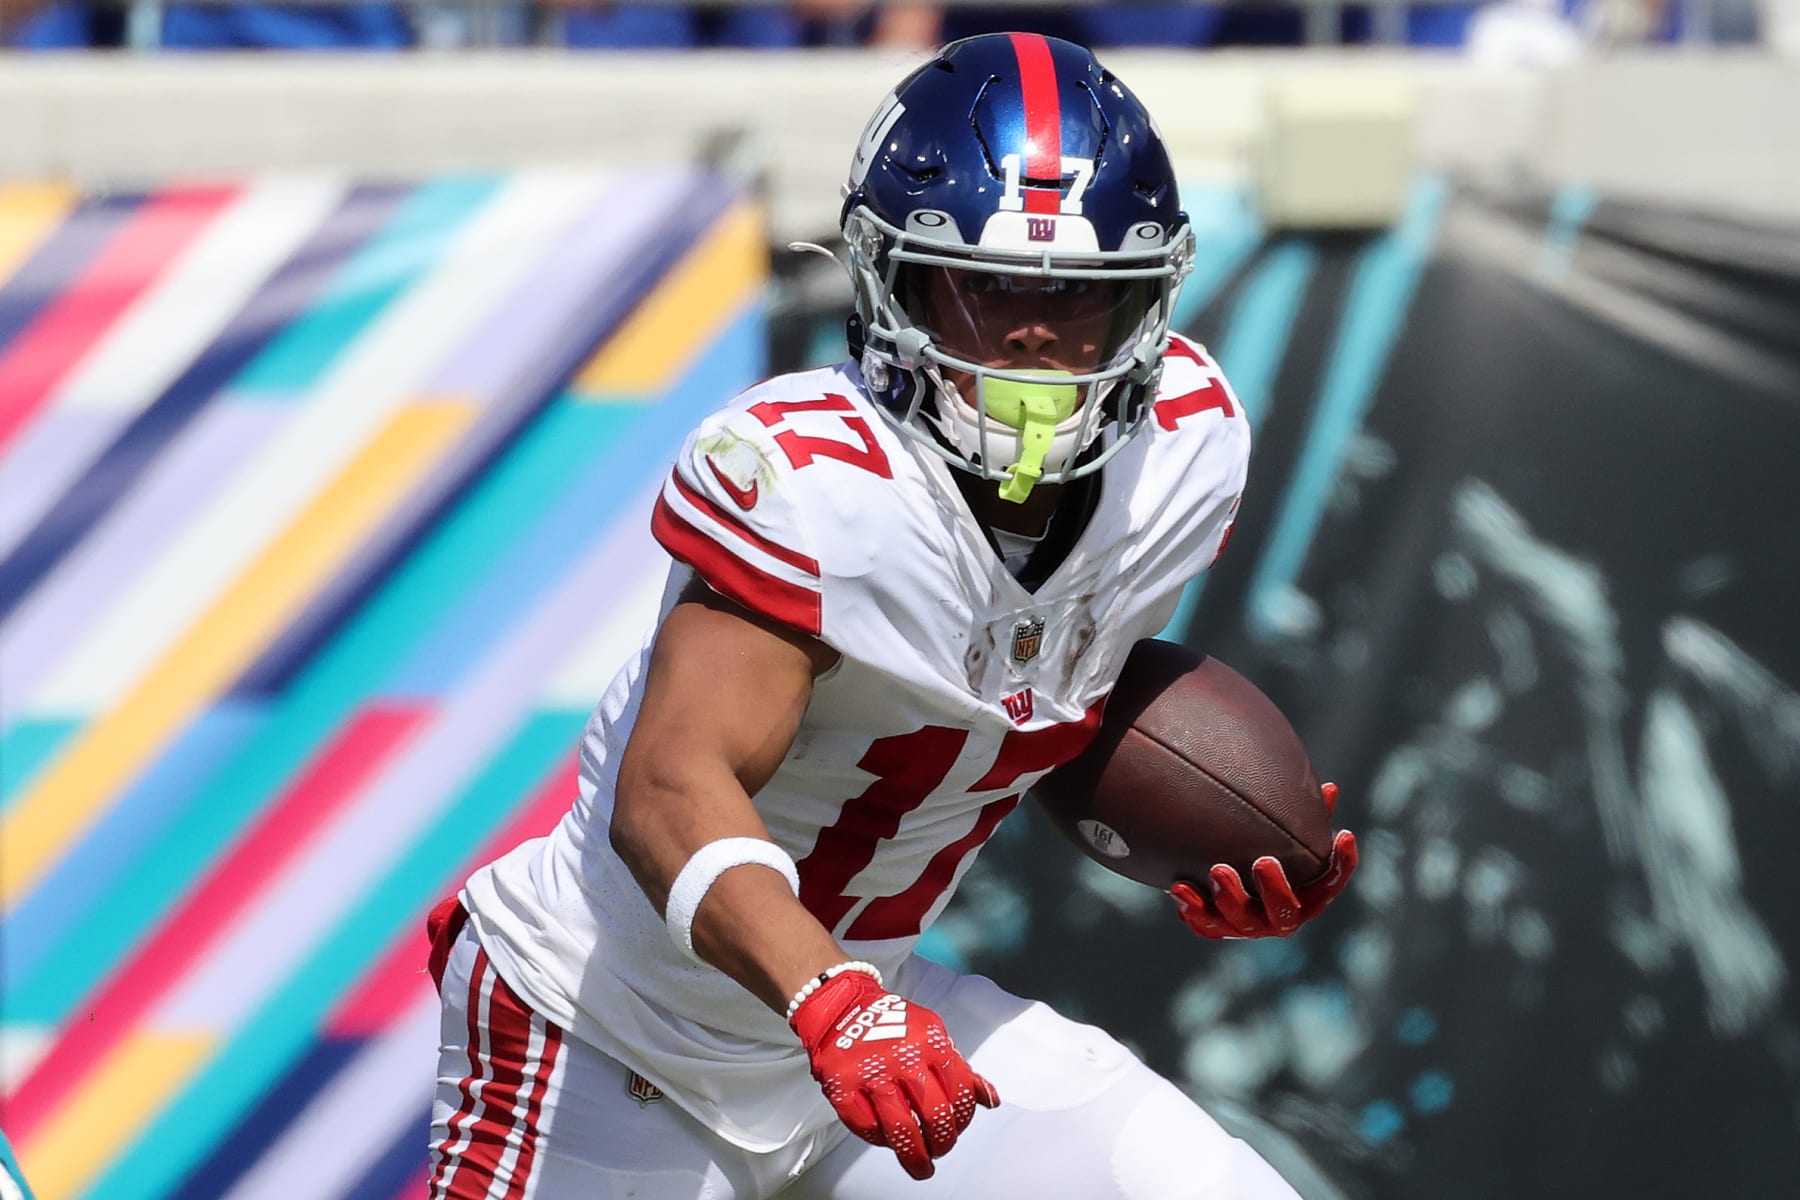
(1040,229)
(1027,640)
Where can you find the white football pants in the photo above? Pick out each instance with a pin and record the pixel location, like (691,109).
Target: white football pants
(523,1110)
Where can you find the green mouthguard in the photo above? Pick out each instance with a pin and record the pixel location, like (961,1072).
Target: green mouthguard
(1035,410)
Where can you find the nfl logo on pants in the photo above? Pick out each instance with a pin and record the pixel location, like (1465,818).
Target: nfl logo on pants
(1027,640)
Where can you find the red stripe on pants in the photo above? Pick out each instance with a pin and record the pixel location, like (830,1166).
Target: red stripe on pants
(534,1107)
(445,1166)
(503,1095)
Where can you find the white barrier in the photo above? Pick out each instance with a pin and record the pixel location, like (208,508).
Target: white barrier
(1700,130)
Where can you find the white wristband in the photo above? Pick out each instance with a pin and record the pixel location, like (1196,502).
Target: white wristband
(703,870)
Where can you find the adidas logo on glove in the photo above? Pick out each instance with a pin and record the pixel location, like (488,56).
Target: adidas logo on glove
(882,1020)
(867,1043)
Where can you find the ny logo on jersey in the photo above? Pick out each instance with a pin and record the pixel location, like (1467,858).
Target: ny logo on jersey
(1040,229)
(641,1089)
(1018,706)
(883,1021)
(1027,640)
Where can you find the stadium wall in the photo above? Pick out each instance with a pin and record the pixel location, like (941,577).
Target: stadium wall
(1710,131)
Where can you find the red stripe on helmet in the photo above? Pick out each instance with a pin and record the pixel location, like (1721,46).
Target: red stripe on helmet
(1043,117)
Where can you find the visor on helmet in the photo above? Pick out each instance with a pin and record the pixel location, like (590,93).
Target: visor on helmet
(1004,319)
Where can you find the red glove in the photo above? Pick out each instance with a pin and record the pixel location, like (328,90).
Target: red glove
(1278,908)
(889,1070)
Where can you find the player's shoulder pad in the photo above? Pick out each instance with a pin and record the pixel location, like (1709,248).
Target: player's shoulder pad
(741,506)
(1198,433)
(1192,385)
(1197,458)
(1194,402)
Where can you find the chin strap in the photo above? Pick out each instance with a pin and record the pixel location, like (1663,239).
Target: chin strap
(1035,410)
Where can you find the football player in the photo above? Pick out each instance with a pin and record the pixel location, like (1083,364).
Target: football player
(903,588)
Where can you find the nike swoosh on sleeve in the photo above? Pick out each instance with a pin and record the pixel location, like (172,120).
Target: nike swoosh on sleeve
(743,497)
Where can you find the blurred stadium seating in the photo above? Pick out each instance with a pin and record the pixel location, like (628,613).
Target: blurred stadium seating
(765,24)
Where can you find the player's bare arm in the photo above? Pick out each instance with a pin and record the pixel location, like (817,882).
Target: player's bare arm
(724,698)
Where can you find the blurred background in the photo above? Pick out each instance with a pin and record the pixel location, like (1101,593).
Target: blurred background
(343,348)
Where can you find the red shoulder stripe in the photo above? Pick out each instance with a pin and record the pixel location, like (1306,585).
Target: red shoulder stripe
(704,503)
(790,603)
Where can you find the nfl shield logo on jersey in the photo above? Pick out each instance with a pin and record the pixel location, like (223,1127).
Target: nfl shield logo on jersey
(641,1089)
(1028,639)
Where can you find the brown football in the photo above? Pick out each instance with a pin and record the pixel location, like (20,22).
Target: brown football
(1192,766)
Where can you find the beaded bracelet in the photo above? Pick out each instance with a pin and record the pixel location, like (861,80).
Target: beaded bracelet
(813,985)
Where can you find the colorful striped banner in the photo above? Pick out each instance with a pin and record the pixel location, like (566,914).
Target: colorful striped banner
(178,315)
(66,333)
(60,255)
(321,557)
(139,447)
(28,212)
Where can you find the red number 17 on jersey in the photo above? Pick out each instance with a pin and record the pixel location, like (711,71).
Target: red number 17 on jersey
(908,768)
(802,450)
(1209,395)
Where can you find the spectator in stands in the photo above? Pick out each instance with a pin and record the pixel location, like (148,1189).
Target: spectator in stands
(1523,33)
(30,25)
(1133,23)
(1615,22)
(214,26)
(588,24)
(356,26)
(1439,24)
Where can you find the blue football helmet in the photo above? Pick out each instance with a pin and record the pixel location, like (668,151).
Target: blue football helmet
(1016,244)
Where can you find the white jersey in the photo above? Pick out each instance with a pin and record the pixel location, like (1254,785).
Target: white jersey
(956,689)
